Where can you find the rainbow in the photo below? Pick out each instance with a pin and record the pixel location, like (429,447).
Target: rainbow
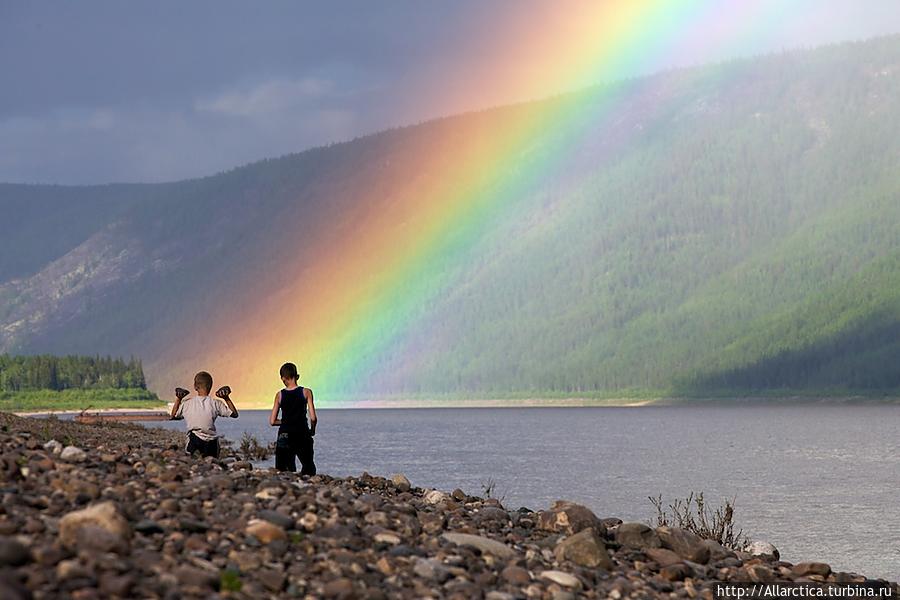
(371,296)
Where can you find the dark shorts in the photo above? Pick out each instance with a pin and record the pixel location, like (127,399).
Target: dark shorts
(205,448)
(291,446)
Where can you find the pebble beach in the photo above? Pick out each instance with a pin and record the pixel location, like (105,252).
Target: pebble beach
(119,511)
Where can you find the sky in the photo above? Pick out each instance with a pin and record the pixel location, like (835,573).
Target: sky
(110,91)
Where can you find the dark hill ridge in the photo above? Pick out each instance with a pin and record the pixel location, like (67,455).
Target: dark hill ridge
(737,232)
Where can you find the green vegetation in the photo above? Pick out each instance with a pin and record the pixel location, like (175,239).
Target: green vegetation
(36,400)
(45,372)
(72,383)
(732,230)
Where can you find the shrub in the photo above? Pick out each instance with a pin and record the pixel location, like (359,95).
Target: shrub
(693,515)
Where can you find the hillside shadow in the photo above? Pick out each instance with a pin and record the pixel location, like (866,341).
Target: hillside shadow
(862,360)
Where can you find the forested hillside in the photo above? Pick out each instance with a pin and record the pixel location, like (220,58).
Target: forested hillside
(736,231)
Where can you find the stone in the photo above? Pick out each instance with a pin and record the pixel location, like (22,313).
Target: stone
(387,537)
(561,578)
(662,556)
(116,586)
(717,551)
(586,549)
(569,518)
(264,531)
(676,572)
(805,569)
(458,495)
(686,544)
(338,588)
(759,573)
(148,527)
(276,518)
(435,497)
(193,577)
(193,525)
(71,569)
(492,514)
(73,454)
(515,575)
(269,493)
(637,535)
(401,482)
(271,578)
(13,553)
(98,527)
(762,549)
(53,447)
(483,544)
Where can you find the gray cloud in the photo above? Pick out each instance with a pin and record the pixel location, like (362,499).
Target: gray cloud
(101,90)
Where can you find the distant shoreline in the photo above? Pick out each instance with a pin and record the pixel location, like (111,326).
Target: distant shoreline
(574,402)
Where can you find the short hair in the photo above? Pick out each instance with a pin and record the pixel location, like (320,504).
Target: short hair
(203,379)
(289,371)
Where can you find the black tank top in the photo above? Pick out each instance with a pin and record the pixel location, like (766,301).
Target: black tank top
(293,411)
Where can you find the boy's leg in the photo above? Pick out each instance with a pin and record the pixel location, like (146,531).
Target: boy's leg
(204,447)
(284,454)
(306,454)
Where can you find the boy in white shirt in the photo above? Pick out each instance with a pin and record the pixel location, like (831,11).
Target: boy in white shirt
(200,413)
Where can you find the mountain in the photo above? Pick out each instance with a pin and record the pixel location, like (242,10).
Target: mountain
(727,229)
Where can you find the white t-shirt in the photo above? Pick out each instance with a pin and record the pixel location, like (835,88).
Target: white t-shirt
(200,413)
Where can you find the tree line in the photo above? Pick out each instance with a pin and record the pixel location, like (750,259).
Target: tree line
(47,372)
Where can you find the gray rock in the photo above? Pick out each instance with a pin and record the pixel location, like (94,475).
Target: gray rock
(401,482)
(561,578)
(804,569)
(148,527)
(53,446)
(569,518)
(13,553)
(717,551)
(762,549)
(637,535)
(435,497)
(98,527)
(586,549)
(277,518)
(73,454)
(485,545)
(686,544)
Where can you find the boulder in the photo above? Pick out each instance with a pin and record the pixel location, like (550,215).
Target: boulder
(637,535)
(73,454)
(401,482)
(264,531)
(53,447)
(13,553)
(485,545)
(762,549)
(435,497)
(99,527)
(684,543)
(584,548)
(561,578)
(663,557)
(805,569)
(569,518)
(717,551)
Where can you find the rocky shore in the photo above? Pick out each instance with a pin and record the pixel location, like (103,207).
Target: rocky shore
(118,510)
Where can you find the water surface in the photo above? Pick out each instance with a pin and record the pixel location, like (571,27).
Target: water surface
(816,481)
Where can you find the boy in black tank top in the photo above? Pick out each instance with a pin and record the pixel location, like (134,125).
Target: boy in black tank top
(295,435)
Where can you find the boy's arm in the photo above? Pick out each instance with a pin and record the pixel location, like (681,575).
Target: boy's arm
(224,393)
(312,410)
(180,393)
(273,417)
